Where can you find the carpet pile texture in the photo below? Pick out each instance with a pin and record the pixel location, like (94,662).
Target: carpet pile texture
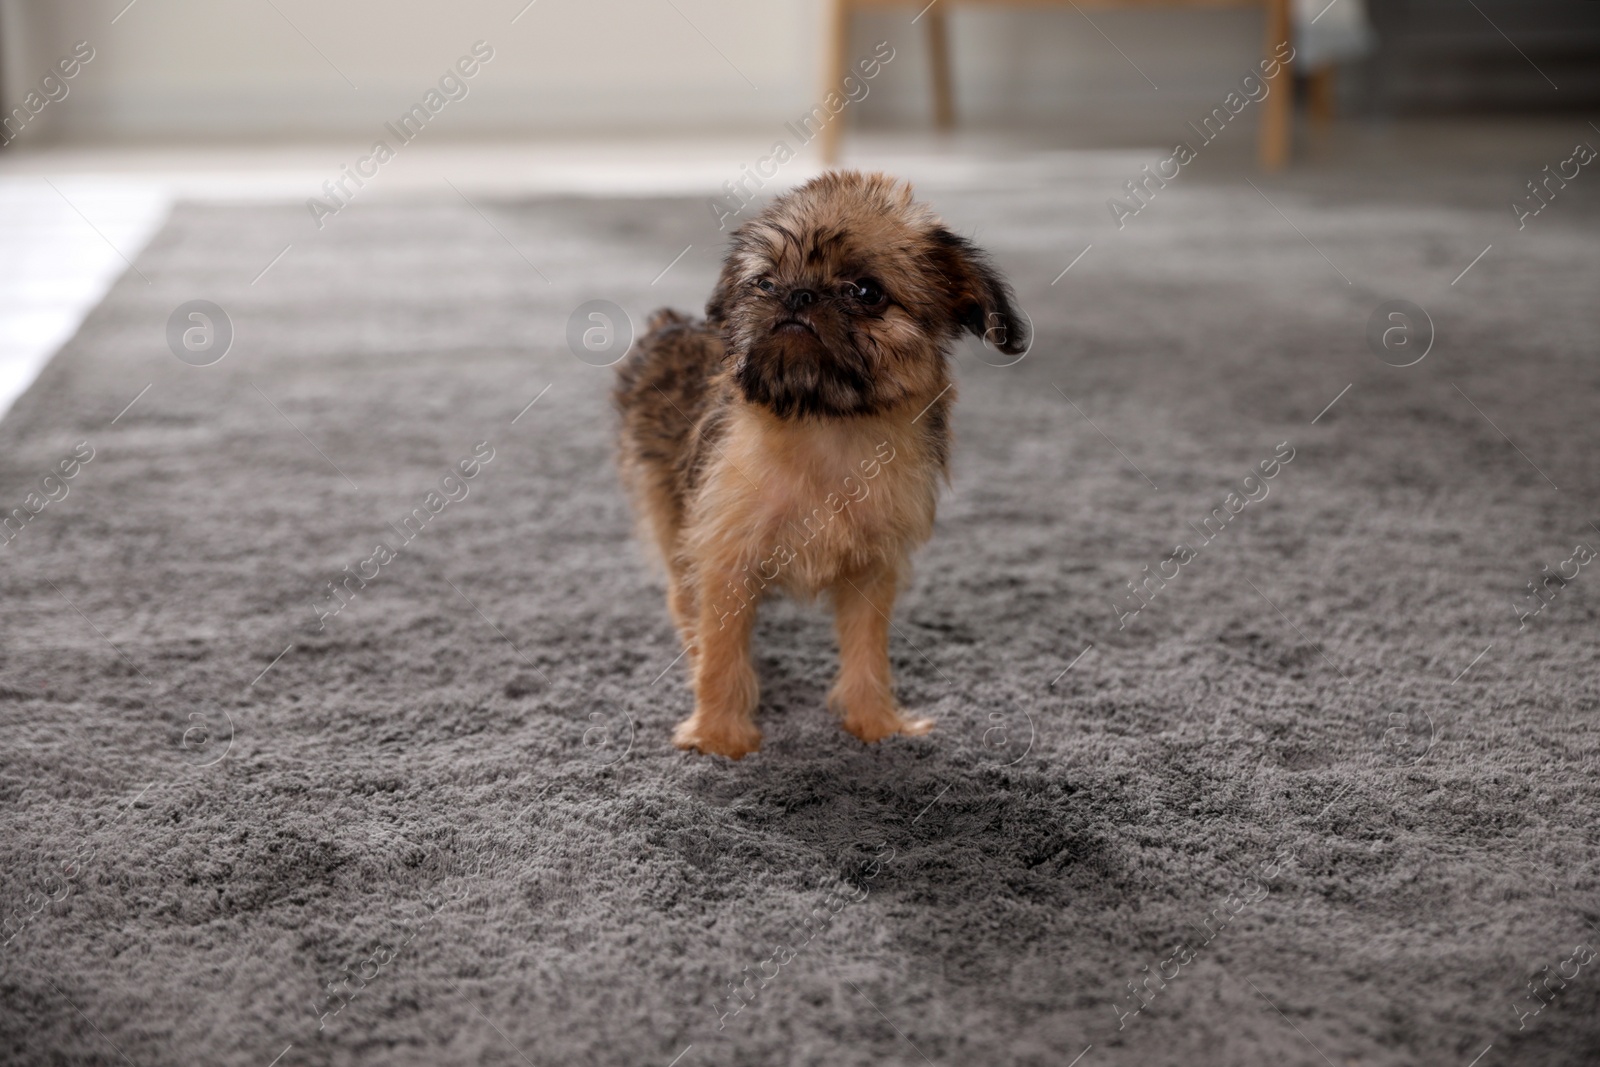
(1328,795)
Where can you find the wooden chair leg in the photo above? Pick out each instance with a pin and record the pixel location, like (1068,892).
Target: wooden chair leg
(944,112)
(1321,88)
(837,46)
(1277,115)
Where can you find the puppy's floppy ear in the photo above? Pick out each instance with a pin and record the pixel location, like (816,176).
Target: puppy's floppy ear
(980,301)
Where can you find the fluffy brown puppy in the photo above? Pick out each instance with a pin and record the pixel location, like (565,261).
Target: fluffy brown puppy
(795,439)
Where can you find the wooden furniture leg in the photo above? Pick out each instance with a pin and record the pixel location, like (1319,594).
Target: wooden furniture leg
(1278,109)
(944,112)
(1321,86)
(837,45)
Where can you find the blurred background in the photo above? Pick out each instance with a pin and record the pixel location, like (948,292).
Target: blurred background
(270,98)
(243,72)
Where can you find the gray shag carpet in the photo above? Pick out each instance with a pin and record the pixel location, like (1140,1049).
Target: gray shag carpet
(1323,799)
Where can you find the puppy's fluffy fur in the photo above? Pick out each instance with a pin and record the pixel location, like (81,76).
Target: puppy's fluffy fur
(796,437)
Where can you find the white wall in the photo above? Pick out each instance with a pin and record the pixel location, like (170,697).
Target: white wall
(237,69)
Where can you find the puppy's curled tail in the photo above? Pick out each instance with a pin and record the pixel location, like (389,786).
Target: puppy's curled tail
(666,367)
(663,317)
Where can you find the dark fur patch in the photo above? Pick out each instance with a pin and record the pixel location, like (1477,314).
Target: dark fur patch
(800,378)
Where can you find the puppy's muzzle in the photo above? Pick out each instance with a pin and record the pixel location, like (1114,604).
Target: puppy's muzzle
(794,325)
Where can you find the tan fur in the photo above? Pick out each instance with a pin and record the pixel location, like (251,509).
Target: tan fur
(795,440)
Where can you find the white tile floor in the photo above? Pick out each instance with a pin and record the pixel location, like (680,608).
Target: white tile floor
(65,240)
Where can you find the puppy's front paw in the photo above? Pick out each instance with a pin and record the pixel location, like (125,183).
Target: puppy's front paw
(877,728)
(717,737)
(877,718)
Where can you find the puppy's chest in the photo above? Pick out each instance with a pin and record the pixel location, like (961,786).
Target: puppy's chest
(831,496)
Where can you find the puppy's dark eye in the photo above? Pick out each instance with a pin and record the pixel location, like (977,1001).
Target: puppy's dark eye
(867,292)
(765,285)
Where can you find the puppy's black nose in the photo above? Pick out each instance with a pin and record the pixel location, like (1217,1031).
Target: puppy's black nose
(799,298)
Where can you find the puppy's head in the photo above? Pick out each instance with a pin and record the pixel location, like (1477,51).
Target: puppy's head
(841,296)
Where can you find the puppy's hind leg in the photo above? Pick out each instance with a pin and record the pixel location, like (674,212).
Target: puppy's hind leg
(864,692)
(666,522)
(725,687)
